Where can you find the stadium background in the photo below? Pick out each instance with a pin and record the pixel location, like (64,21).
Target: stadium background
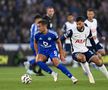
(16,16)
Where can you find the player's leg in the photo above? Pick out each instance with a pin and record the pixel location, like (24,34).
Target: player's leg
(100,50)
(100,64)
(82,59)
(63,69)
(40,60)
(69,52)
(31,66)
(54,57)
(91,48)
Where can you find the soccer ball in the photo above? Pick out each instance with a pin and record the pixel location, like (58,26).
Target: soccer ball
(26,79)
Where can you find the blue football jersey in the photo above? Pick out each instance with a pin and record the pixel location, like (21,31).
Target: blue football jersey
(33,31)
(46,42)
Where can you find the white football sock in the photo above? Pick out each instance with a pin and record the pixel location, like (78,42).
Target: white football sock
(104,70)
(86,68)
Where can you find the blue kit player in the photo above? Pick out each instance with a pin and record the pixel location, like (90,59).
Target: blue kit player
(45,46)
(31,65)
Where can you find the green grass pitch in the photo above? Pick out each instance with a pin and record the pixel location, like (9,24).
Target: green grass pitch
(10,80)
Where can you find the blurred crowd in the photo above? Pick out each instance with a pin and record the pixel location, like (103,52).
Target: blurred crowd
(16,16)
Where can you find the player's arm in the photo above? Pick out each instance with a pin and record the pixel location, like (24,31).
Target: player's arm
(60,50)
(66,35)
(91,38)
(36,46)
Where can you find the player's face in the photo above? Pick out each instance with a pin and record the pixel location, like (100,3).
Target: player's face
(70,18)
(41,27)
(80,25)
(50,12)
(90,15)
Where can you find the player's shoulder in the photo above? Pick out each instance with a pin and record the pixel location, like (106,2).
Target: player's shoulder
(94,20)
(52,32)
(86,21)
(37,33)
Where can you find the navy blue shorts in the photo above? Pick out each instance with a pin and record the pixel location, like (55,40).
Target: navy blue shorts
(87,54)
(95,48)
(98,47)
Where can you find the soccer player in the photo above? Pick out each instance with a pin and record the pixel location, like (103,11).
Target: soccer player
(91,22)
(45,46)
(49,16)
(70,23)
(81,53)
(30,65)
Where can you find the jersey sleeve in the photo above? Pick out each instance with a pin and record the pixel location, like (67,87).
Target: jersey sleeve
(64,28)
(91,39)
(90,34)
(67,35)
(36,36)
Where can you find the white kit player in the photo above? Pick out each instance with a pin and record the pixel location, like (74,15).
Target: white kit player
(81,53)
(91,22)
(70,23)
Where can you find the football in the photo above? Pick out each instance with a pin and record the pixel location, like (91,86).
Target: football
(26,79)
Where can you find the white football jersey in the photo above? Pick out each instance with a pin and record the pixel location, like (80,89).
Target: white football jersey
(67,26)
(78,39)
(93,26)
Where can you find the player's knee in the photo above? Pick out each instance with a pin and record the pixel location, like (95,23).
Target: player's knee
(55,62)
(102,52)
(81,58)
(97,60)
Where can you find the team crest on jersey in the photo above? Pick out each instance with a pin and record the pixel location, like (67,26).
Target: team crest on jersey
(45,43)
(49,38)
(40,38)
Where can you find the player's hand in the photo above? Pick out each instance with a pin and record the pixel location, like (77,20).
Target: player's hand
(64,53)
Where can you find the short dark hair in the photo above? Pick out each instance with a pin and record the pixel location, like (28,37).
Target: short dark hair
(70,14)
(49,7)
(90,9)
(37,16)
(80,18)
(43,22)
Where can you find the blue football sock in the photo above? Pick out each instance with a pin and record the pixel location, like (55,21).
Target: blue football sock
(64,70)
(43,66)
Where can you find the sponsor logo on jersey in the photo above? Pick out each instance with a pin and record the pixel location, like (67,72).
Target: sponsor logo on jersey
(79,41)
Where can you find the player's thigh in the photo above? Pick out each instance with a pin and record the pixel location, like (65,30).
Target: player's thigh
(55,61)
(54,57)
(53,54)
(41,57)
(79,57)
(88,55)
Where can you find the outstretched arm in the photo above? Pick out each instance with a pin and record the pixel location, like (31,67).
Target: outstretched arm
(36,46)
(60,50)
(66,35)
